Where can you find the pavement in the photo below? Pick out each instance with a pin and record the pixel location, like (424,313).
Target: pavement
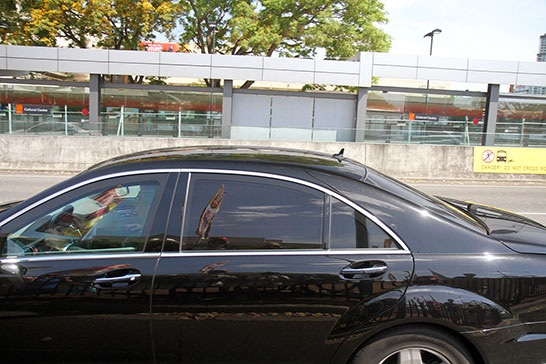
(525,198)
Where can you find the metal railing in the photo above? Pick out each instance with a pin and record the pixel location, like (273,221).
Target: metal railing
(206,124)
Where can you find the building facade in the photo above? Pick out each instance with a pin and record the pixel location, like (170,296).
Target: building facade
(86,91)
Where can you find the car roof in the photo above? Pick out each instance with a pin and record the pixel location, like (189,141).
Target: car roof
(231,157)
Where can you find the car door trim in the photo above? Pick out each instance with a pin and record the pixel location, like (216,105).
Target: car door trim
(355,206)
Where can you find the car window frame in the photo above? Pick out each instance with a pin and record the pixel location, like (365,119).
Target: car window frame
(299,188)
(71,193)
(328,195)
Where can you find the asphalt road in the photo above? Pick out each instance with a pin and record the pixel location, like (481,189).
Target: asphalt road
(522,198)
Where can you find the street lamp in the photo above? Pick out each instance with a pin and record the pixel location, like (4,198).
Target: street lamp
(431,35)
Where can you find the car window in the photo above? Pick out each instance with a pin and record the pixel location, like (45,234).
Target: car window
(227,212)
(112,219)
(350,229)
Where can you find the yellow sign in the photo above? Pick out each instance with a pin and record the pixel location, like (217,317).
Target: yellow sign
(510,160)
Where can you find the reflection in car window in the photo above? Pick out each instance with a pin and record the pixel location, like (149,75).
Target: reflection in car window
(350,229)
(112,219)
(252,213)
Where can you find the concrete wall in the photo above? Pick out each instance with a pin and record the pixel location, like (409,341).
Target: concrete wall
(75,153)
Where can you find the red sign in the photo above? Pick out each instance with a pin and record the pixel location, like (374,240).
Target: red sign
(160,47)
(85,112)
(475,121)
(411,116)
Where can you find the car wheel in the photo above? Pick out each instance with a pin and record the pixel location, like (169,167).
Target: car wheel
(413,345)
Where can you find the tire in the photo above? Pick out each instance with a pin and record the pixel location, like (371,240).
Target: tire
(413,345)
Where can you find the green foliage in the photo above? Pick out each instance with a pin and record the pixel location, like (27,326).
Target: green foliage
(116,24)
(293,28)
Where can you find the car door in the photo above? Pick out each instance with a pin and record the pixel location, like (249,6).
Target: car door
(76,272)
(269,269)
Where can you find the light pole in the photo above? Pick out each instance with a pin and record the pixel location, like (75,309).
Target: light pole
(431,35)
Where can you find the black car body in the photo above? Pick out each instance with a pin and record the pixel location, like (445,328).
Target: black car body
(241,254)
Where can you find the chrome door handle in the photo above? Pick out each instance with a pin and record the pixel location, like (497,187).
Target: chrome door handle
(363,270)
(117,282)
(376,270)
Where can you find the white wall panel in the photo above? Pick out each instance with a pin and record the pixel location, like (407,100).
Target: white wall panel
(169,70)
(134,56)
(32,52)
(340,79)
(29,64)
(237,61)
(292,112)
(83,67)
(292,64)
(532,67)
(134,69)
(492,66)
(365,70)
(337,66)
(251,110)
(284,76)
(394,60)
(3,50)
(491,77)
(441,75)
(336,114)
(254,74)
(395,72)
(195,59)
(77,54)
(443,62)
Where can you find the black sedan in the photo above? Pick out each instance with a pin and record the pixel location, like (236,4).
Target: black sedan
(251,255)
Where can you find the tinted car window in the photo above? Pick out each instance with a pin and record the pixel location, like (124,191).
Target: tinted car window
(252,213)
(350,229)
(106,220)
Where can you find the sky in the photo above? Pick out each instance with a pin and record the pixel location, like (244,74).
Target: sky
(484,29)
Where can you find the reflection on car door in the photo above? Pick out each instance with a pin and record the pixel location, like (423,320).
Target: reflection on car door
(254,280)
(76,272)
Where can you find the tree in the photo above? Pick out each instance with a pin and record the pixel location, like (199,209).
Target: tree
(289,28)
(114,24)
(292,28)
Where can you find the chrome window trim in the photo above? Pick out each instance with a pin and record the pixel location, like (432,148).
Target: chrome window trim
(83,183)
(284,253)
(222,171)
(59,256)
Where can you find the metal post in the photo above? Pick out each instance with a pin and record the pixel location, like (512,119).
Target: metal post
(10,121)
(179,122)
(94,103)
(65,121)
(522,131)
(491,110)
(227,107)
(409,131)
(121,124)
(466,133)
(361,108)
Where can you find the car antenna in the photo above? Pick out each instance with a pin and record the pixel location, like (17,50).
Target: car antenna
(339,156)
